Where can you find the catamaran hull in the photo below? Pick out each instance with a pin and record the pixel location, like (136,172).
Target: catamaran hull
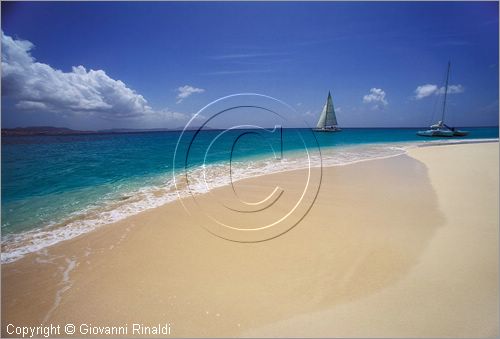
(441,133)
(432,133)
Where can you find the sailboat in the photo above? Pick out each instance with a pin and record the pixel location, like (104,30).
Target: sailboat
(327,121)
(441,129)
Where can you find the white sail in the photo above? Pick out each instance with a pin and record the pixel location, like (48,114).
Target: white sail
(322,119)
(327,118)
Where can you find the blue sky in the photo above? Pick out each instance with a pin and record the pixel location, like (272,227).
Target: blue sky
(152,65)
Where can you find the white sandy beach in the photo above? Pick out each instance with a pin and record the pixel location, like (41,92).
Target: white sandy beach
(405,246)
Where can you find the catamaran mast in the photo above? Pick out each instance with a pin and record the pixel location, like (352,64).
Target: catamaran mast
(445,92)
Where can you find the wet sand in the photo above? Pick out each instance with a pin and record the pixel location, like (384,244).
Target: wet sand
(405,246)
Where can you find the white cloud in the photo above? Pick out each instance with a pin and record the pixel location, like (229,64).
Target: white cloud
(37,86)
(377,97)
(186,90)
(425,90)
(453,89)
(429,89)
(31,105)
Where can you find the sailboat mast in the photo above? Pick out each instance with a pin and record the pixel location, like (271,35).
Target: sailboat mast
(445,92)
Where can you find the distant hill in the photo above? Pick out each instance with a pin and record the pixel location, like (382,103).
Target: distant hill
(132,130)
(41,130)
(50,130)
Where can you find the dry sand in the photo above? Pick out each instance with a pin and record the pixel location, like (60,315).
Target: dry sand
(405,246)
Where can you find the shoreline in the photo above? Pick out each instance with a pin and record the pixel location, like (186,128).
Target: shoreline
(81,223)
(178,269)
(453,290)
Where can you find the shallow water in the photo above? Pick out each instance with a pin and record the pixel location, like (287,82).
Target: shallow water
(57,187)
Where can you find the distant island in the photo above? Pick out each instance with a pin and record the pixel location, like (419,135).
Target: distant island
(41,130)
(51,130)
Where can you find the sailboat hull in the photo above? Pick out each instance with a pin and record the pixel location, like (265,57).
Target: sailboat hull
(442,133)
(335,129)
(435,133)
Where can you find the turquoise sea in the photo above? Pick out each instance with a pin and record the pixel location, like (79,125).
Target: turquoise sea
(58,187)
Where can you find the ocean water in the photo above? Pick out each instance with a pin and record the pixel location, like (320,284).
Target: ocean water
(58,187)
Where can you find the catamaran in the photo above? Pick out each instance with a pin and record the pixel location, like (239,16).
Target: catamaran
(327,121)
(441,129)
